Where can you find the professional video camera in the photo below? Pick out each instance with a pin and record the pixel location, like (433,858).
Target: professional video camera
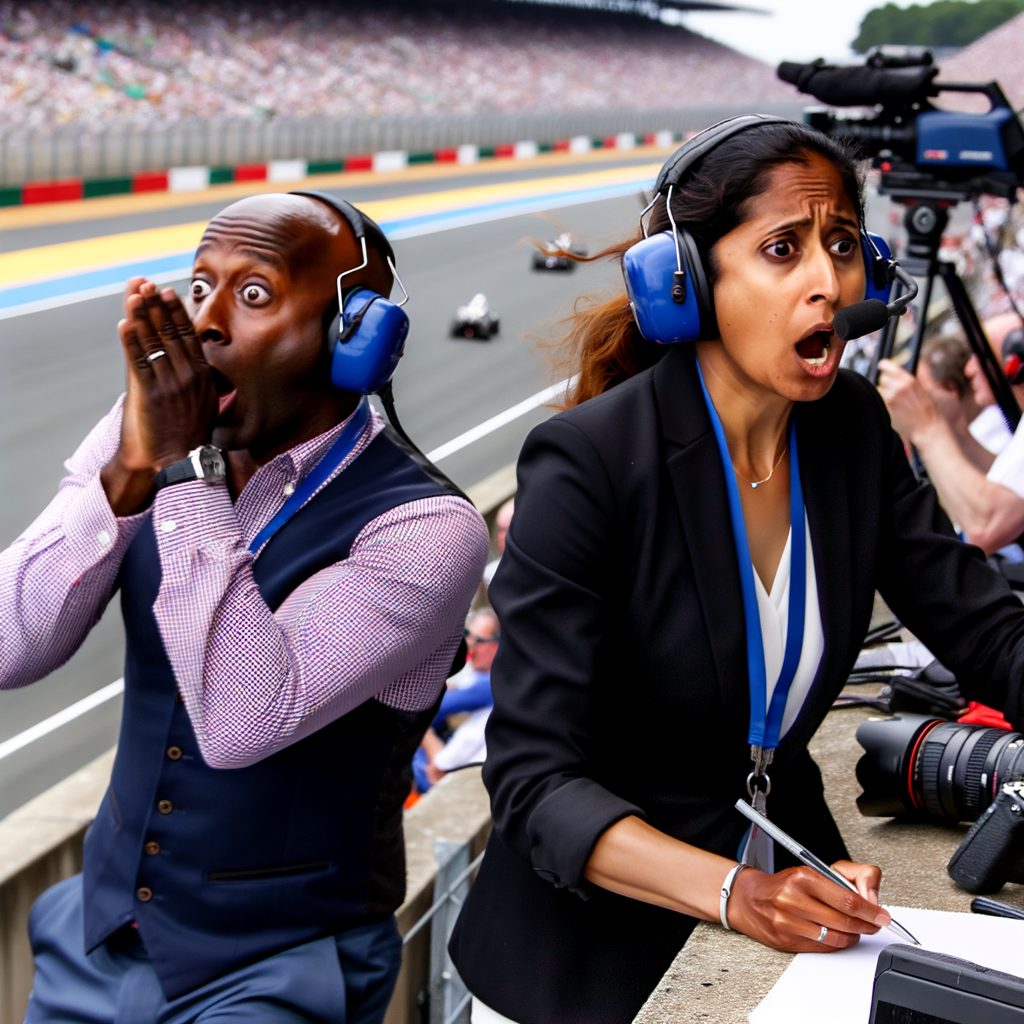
(929,160)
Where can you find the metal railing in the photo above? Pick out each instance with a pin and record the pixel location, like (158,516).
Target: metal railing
(115,151)
(447,996)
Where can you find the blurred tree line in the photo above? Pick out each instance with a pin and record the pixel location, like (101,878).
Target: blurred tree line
(943,23)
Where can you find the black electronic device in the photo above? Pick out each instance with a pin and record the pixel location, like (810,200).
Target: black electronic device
(929,161)
(992,853)
(916,986)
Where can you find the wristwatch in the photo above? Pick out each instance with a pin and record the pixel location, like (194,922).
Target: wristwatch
(204,463)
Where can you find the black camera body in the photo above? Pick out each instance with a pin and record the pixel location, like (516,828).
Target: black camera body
(992,853)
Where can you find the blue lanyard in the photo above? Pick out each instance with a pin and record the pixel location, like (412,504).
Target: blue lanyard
(319,474)
(766,725)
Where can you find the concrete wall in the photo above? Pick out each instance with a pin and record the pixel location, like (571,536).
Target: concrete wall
(41,843)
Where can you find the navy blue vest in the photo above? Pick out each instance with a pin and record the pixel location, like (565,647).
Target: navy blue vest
(220,868)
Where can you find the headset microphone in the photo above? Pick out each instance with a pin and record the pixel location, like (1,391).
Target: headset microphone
(873,314)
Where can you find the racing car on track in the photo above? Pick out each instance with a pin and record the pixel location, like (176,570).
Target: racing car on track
(475,319)
(551,256)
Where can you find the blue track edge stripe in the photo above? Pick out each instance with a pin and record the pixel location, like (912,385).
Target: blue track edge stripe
(24,299)
(22,295)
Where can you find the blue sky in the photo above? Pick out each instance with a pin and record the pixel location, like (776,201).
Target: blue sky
(794,30)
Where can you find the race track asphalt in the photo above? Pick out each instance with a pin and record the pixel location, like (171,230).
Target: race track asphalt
(60,371)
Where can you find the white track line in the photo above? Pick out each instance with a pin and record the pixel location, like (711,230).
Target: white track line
(116,688)
(489,426)
(47,725)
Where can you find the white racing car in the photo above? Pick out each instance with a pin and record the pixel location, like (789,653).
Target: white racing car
(551,258)
(475,319)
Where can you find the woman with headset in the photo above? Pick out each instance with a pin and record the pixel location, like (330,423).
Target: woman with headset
(685,587)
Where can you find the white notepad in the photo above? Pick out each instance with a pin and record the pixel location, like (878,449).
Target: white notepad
(836,987)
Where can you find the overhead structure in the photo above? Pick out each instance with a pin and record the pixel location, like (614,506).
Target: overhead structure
(653,9)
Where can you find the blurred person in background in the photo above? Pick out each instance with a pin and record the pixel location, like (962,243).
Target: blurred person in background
(468,694)
(982,491)
(502,522)
(942,373)
(294,585)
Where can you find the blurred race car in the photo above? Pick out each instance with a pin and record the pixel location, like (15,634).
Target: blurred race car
(475,319)
(551,258)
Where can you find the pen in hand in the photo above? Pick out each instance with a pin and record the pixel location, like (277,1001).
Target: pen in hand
(810,860)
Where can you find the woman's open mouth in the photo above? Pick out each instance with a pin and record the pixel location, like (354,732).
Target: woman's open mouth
(226,392)
(814,350)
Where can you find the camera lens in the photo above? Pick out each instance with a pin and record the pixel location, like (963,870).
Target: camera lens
(932,768)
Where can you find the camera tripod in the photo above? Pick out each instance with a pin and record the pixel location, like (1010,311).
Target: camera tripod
(925,220)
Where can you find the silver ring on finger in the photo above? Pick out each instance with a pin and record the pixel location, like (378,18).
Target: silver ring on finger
(154,356)
(822,934)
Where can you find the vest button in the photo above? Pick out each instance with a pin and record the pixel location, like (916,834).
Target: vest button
(164,806)
(152,848)
(174,753)
(144,894)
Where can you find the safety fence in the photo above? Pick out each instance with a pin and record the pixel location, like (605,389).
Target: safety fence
(445,996)
(118,152)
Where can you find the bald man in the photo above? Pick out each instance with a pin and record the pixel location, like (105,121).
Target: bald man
(248,857)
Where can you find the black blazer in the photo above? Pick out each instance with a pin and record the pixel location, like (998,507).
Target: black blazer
(620,686)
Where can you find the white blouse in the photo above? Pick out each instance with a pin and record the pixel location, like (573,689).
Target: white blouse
(774,613)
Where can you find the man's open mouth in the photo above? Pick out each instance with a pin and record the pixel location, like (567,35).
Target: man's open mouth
(226,391)
(813,349)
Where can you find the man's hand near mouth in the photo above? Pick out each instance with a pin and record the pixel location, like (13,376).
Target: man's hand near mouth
(172,400)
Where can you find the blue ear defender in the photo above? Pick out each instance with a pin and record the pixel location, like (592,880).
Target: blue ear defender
(667,287)
(877,266)
(366,337)
(666,282)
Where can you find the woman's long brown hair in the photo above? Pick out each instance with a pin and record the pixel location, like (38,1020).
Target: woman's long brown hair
(602,345)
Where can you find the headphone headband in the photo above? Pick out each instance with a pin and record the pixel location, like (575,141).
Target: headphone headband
(693,149)
(361,225)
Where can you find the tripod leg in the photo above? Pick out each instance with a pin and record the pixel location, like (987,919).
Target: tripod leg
(883,347)
(968,318)
(922,323)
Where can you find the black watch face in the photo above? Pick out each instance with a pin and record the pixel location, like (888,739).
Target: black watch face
(212,462)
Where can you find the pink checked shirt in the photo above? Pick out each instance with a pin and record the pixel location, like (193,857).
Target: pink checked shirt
(383,623)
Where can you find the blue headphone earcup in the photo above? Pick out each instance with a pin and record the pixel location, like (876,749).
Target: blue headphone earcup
(366,341)
(878,285)
(649,269)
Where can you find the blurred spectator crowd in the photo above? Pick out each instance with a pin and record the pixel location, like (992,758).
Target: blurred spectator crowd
(144,62)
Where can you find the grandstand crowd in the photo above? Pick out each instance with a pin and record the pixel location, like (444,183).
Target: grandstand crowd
(145,62)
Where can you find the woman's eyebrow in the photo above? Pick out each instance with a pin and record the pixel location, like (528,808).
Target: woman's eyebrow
(805,222)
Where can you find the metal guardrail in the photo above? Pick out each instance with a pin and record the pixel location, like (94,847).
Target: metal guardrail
(114,151)
(447,997)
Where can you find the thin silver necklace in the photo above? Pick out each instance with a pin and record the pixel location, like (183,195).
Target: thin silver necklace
(754,484)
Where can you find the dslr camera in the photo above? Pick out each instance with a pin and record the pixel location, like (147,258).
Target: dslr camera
(992,853)
(934,770)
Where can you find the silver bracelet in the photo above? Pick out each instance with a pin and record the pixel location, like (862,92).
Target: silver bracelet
(723,903)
